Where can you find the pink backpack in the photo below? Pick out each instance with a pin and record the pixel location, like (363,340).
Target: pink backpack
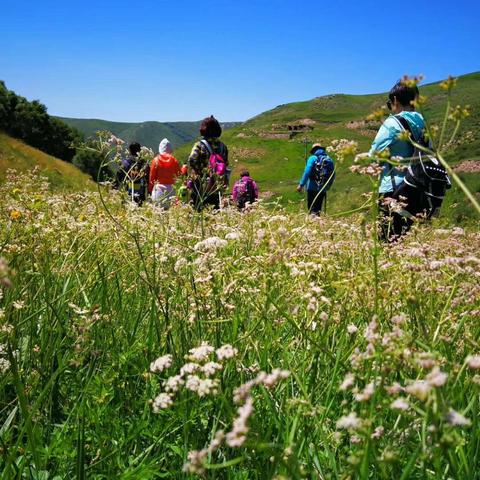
(216,161)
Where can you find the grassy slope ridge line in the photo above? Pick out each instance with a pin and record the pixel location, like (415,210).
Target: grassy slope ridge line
(276,161)
(147,133)
(14,154)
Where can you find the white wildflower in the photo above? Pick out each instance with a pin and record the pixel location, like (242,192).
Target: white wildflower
(349,422)
(232,236)
(348,382)
(162,401)
(210,244)
(237,436)
(161,363)
(225,352)
(378,432)
(273,378)
(4,365)
(189,368)
(473,362)
(351,329)
(457,419)
(201,353)
(437,378)
(18,305)
(366,393)
(400,404)
(394,389)
(419,389)
(180,264)
(211,368)
(173,384)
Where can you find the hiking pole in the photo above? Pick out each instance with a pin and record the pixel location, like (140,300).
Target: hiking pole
(305,142)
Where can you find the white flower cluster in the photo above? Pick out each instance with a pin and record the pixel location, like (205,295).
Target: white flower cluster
(210,244)
(161,364)
(4,363)
(237,436)
(343,148)
(194,376)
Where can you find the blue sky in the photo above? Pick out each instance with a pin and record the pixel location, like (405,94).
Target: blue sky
(182,60)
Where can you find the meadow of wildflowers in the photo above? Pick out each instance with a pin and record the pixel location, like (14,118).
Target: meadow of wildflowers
(137,343)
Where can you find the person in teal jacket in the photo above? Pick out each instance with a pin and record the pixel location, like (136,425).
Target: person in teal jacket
(318,176)
(400,103)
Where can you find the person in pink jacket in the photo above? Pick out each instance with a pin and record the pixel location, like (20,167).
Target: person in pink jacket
(245,190)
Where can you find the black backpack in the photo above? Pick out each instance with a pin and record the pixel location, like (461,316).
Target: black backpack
(323,172)
(425,172)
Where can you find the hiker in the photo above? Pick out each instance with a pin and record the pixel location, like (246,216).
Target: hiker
(405,193)
(133,174)
(208,164)
(318,177)
(163,172)
(245,190)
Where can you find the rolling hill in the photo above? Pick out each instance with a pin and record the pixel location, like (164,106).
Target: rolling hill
(146,133)
(271,145)
(14,154)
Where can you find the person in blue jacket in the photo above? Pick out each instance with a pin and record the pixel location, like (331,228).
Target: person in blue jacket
(400,103)
(317,177)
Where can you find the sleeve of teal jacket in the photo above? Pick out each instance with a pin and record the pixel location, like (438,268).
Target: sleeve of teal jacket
(308,169)
(386,135)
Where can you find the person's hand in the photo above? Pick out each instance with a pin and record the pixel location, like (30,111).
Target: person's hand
(299,188)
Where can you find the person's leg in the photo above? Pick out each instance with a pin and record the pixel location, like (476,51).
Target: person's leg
(315,201)
(196,196)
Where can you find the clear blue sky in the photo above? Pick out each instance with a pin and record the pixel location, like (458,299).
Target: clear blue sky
(185,59)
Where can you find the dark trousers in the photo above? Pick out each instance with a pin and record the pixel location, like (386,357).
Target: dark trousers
(315,201)
(393,225)
(201,196)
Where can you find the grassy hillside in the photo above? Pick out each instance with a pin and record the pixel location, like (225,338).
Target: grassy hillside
(275,156)
(147,133)
(15,154)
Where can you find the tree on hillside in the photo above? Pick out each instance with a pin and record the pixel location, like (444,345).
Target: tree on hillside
(30,122)
(90,161)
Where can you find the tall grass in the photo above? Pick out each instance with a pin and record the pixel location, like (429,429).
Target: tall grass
(90,300)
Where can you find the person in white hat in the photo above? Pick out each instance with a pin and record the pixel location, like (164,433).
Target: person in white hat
(163,173)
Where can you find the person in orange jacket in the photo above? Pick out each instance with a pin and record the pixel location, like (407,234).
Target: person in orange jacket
(163,172)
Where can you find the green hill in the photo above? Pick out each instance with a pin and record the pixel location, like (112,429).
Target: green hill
(273,151)
(14,154)
(146,133)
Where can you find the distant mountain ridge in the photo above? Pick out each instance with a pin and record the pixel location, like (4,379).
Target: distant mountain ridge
(146,133)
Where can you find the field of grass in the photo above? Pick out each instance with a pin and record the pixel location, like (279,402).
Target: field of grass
(142,344)
(14,154)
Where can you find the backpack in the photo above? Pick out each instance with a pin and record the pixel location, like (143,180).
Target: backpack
(245,191)
(425,172)
(323,172)
(216,161)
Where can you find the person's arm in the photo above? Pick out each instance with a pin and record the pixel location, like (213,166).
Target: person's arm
(153,176)
(306,172)
(176,169)
(386,135)
(193,159)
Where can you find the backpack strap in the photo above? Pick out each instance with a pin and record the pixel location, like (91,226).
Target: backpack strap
(208,146)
